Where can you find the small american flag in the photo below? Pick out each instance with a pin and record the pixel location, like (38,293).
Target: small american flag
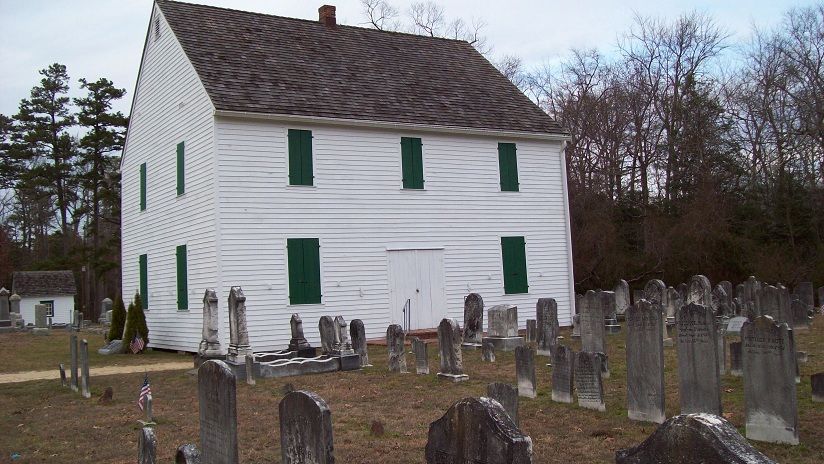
(145,392)
(137,344)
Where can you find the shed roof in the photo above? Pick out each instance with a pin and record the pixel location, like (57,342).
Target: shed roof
(258,63)
(43,283)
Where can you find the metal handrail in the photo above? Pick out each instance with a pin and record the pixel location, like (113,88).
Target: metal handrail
(407,315)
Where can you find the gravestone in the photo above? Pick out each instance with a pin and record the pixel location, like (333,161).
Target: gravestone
(804,292)
(769,363)
(489,352)
(503,328)
(210,342)
(563,363)
(774,302)
(656,292)
(674,301)
(146,446)
(547,325)
(85,389)
(477,431)
(15,318)
(62,369)
(622,302)
(305,429)
(799,310)
(699,291)
(683,290)
(250,369)
(14,303)
(449,342)
(298,342)
(77,321)
(421,356)
(607,300)
(5,317)
(718,297)
(637,295)
(525,371)
(507,396)
(736,366)
(187,454)
(328,333)
(473,320)
(593,331)
(41,325)
(342,346)
(588,384)
(720,327)
(751,288)
(531,331)
(216,391)
(728,290)
(358,333)
(106,305)
(576,326)
(75,384)
(698,379)
(817,387)
(734,325)
(395,338)
(238,331)
(693,438)
(645,363)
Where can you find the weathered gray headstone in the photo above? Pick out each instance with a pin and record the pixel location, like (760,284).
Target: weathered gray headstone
(507,395)
(751,288)
(622,301)
(734,325)
(720,327)
(698,379)
(62,369)
(588,384)
(718,297)
(799,309)
(769,381)
(478,431)
(343,346)
(693,438)
(531,331)
(187,454)
(146,446)
(817,387)
(489,352)
(503,328)
(328,333)
(525,371)
(683,290)
(250,369)
(41,325)
(217,397)
(14,303)
(593,331)
(728,290)
(547,325)
(238,331)
(736,367)
(645,363)
(774,302)
(358,333)
(449,342)
(473,320)
(421,356)
(700,291)
(804,292)
(674,302)
(305,429)
(85,389)
(395,339)
(563,363)
(607,300)
(210,342)
(75,385)
(77,321)
(5,318)
(656,292)
(576,326)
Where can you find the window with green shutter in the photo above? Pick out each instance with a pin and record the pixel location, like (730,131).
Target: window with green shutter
(304,270)
(182,279)
(300,157)
(143,187)
(513,250)
(144,281)
(412,162)
(508,166)
(181,185)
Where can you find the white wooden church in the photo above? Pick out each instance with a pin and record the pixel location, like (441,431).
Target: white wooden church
(330,169)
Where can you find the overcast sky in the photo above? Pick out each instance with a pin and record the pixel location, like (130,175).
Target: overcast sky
(104,38)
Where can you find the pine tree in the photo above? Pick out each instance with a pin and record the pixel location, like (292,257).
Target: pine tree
(118,319)
(136,322)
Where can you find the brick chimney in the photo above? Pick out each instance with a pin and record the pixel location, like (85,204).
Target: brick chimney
(326,15)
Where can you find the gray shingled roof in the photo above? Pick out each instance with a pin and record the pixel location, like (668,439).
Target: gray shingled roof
(43,283)
(258,63)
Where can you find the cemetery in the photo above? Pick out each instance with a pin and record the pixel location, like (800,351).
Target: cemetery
(358,400)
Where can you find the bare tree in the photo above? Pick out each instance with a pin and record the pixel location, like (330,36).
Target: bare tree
(428,18)
(381,15)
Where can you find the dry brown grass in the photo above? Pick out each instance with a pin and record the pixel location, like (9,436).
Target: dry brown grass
(46,423)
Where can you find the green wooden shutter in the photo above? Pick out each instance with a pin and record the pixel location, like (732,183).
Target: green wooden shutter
(300,157)
(297,285)
(144,281)
(181,188)
(311,270)
(143,187)
(182,279)
(412,162)
(513,250)
(508,165)
(304,270)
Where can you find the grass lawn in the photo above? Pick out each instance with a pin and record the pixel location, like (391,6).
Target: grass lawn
(46,423)
(38,353)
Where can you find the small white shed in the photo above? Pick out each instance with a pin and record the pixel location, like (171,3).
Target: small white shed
(55,289)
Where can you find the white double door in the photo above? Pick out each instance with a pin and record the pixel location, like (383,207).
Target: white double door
(416,282)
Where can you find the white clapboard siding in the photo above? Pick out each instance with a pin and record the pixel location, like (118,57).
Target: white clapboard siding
(63,308)
(358,210)
(170,106)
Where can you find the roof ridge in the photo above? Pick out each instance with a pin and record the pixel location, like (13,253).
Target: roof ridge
(311,21)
